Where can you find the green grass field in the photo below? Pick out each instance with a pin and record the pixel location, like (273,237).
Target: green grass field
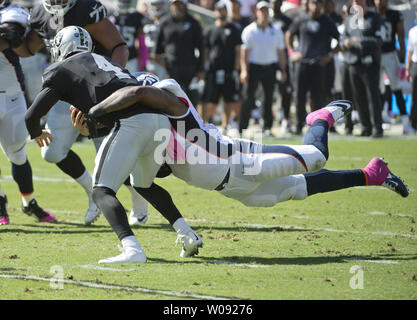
(295,250)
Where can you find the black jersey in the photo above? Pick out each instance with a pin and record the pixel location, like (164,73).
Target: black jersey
(83,13)
(389,29)
(221,43)
(369,34)
(283,22)
(129,26)
(86,79)
(178,39)
(315,35)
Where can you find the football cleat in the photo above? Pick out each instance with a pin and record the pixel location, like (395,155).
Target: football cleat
(137,218)
(128,255)
(92,214)
(33,209)
(378,174)
(4,216)
(331,113)
(190,243)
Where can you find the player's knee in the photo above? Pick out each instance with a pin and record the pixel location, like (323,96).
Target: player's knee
(300,188)
(53,155)
(101,193)
(18,158)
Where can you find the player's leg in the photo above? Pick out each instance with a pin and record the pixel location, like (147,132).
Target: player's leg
(115,160)
(264,162)
(13,135)
(4,214)
(59,152)
(299,187)
(142,177)
(139,213)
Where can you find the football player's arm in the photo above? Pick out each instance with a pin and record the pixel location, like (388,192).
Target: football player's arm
(4,44)
(106,33)
(31,44)
(43,102)
(147,96)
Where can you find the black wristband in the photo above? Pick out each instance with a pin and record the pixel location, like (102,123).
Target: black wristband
(119,45)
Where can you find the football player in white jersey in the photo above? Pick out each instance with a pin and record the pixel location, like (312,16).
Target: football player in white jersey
(13,133)
(254,174)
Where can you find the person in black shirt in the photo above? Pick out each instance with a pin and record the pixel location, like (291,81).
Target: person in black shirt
(393,28)
(315,31)
(280,20)
(179,36)
(222,44)
(129,22)
(361,43)
(84,79)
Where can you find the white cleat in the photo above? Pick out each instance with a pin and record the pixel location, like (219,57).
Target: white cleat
(92,213)
(128,255)
(190,243)
(137,218)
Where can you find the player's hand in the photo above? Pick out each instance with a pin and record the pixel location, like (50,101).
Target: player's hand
(44,139)
(408,76)
(296,56)
(78,121)
(324,60)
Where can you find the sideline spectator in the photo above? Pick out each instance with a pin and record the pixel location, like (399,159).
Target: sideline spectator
(411,71)
(315,31)
(393,28)
(362,46)
(222,44)
(263,48)
(283,22)
(179,36)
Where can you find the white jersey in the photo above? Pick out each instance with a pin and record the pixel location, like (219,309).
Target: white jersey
(11,75)
(198,154)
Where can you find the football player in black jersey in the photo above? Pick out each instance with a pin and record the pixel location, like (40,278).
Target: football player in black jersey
(84,79)
(47,18)
(129,22)
(393,29)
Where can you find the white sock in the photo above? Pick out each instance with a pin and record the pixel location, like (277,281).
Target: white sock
(139,204)
(26,199)
(131,242)
(181,226)
(2,194)
(86,182)
(405,120)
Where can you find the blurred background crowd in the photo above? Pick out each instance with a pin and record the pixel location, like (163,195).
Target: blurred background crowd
(266,64)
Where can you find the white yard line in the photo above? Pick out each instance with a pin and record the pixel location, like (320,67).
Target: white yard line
(178,294)
(381,213)
(372,261)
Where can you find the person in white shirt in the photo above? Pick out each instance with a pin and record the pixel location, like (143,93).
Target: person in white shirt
(262,50)
(411,72)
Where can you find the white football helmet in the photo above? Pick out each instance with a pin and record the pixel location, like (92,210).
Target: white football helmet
(157,8)
(146,78)
(126,6)
(58,7)
(70,40)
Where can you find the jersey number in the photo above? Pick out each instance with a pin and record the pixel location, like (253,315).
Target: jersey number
(98,11)
(105,65)
(386,32)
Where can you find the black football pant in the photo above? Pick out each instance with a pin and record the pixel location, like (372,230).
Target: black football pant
(266,76)
(309,78)
(365,89)
(184,75)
